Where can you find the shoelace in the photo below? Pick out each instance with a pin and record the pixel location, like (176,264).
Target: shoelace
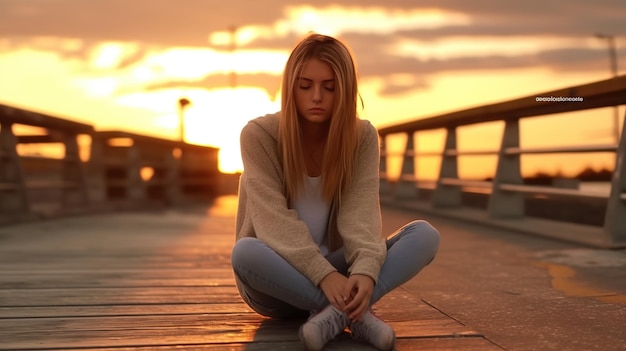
(362,329)
(329,326)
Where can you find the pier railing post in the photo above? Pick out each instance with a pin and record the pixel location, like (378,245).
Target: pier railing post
(448,196)
(73,173)
(173,191)
(136,187)
(96,171)
(14,197)
(507,204)
(615,219)
(385,185)
(406,187)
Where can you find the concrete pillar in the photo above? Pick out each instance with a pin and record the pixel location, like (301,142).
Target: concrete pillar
(448,196)
(173,192)
(13,197)
(507,204)
(135,186)
(96,175)
(406,187)
(73,178)
(385,185)
(615,220)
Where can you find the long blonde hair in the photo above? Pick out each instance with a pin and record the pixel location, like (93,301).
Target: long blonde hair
(342,141)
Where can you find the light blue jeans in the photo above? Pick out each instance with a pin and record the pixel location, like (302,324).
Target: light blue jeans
(274,288)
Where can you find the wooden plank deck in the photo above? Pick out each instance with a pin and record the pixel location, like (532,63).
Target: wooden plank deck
(162,281)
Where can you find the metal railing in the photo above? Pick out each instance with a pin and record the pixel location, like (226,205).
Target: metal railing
(507,194)
(123,169)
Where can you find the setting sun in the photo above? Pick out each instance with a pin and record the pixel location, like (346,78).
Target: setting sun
(216,119)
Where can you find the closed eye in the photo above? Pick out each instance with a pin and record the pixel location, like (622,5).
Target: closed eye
(306,83)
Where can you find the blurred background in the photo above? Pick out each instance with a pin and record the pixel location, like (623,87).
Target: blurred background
(141,66)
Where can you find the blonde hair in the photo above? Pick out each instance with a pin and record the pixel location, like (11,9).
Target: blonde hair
(342,141)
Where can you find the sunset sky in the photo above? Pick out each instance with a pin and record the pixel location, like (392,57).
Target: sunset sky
(124,65)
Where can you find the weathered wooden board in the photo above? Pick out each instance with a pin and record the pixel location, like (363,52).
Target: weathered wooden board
(115,296)
(342,344)
(35,281)
(106,272)
(207,321)
(162,281)
(179,329)
(122,310)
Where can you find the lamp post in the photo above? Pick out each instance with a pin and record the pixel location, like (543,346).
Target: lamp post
(182,103)
(613,62)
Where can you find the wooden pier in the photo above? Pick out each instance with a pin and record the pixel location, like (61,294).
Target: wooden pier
(162,280)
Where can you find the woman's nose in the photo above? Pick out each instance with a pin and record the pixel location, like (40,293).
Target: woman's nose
(317,94)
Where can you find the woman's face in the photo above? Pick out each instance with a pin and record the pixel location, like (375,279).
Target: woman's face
(314,91)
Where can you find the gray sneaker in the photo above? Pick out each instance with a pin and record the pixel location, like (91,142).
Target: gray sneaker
(323,327)
(374,331)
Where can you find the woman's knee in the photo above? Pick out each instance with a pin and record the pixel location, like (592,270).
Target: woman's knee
(244,251)
(425,234)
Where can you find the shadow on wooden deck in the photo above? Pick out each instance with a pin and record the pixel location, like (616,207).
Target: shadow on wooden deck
(162,281)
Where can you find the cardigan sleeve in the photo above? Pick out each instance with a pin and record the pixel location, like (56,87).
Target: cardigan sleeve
(359,219)
(273,222)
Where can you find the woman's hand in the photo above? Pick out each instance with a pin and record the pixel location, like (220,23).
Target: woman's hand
(333,285)
(358,289)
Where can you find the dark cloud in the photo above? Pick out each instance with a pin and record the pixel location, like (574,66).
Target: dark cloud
(565,60)
(184,22)
(375,57)
(156,25)
(139,55)
(540,25)
(189,22)
(392,89)
(270,83)
(562,60)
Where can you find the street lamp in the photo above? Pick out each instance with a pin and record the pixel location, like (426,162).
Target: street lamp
(613,62)
(182,103)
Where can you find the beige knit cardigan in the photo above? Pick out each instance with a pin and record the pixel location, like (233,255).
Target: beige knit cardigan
(263,210)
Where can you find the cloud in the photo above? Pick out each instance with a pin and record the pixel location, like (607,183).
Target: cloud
(270,83)
(560,26)
(75,29)
(190,22)
(405,74)
(393,88)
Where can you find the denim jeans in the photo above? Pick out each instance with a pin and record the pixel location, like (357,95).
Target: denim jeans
(274,288)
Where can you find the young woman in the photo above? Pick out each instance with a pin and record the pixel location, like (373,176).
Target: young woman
(308,224)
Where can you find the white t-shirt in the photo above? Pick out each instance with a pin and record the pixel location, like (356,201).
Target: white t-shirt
(314,211)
